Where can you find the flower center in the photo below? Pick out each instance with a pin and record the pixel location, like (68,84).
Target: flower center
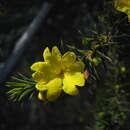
(61,73)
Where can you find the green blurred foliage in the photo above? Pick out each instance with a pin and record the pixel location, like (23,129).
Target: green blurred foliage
(103,44)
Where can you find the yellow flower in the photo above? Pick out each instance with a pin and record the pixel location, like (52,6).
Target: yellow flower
(123,6)
(58,73)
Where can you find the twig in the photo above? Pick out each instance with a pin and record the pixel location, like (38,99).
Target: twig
(23,42)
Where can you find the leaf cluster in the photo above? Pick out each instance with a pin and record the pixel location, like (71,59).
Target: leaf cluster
(21,88)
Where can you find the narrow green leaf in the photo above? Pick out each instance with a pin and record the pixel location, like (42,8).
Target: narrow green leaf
(104,56)
(24,94)
(23,81)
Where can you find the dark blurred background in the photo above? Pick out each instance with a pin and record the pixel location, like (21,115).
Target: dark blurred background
(62,23)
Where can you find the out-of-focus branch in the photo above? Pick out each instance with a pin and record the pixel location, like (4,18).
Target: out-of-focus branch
(23,42)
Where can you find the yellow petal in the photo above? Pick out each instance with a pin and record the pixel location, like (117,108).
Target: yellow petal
(68,58)
(51,56)
(54,89)
(69,87)
(56,53)
(55,60)
(37,76)
(120,4)
(40,76)
(123,6)
(72,79)
(41,86)
(40,66)
(47,54)
(76,78)
(77,67)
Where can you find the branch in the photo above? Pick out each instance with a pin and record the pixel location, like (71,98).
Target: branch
(23,42)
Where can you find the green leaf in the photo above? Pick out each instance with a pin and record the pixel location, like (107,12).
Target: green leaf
(71,47)
(26,93)
(104,56)
(21,88)
(86,41)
